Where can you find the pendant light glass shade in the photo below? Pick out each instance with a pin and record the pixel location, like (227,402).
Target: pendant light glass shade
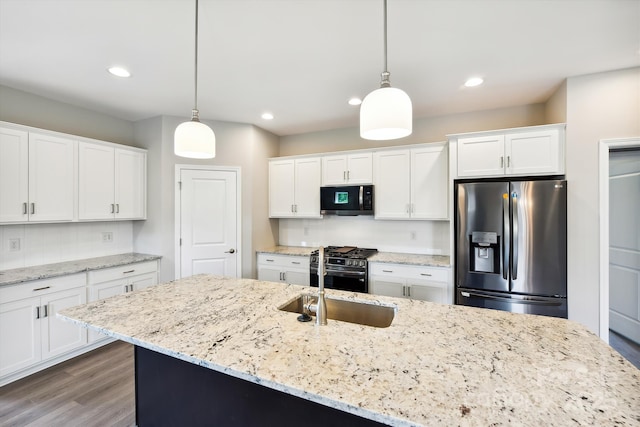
(386,113)
(194,139)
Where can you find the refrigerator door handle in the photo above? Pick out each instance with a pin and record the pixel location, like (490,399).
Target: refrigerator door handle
(514,267)
(506,236)
(530,301)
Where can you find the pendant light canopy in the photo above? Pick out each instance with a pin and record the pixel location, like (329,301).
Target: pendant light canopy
(194,139)
(386,113)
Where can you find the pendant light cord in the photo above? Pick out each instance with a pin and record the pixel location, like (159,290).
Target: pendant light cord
(385,82)
(195,101)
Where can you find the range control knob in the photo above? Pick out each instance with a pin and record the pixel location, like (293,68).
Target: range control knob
(362,263)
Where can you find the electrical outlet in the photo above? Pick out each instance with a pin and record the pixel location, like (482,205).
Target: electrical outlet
(413,235)
(14,245)
(107,236)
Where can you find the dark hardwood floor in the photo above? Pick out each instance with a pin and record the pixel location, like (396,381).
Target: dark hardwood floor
(628,349)
(95,389)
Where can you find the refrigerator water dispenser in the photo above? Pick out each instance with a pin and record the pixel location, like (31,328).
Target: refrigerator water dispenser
(485,252)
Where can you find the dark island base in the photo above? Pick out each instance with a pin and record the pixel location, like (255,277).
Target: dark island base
(172,392)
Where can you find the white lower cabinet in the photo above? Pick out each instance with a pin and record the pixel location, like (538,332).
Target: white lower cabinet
(30,332)
(114,281)
(284,268)
(409,281)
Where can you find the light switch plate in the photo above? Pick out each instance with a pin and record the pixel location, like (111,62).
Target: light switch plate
(14,245)
(107,236)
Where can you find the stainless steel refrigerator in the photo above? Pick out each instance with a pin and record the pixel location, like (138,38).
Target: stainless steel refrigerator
(511,246)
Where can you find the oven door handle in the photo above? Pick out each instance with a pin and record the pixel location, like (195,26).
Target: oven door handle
(340,273)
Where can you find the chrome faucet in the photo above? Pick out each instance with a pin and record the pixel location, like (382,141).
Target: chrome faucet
(321,307)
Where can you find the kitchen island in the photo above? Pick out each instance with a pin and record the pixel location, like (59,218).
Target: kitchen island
(435,365)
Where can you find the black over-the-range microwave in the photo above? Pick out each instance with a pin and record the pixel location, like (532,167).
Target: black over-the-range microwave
(346,200)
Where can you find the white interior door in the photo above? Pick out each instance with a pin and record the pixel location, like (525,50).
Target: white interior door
(208,222)
(624,243)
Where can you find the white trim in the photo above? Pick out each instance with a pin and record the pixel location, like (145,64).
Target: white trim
(177,221)
(604,146)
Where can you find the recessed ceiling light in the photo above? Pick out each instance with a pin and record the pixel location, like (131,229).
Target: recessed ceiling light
(474,81)
(119,71)
(267,116)
(355,101)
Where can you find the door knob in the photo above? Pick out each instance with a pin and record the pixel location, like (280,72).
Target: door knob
(230,251)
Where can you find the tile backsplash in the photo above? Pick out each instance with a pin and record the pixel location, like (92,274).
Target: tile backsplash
(35,244)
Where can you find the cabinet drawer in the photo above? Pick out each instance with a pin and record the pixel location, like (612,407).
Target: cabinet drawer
(410,272)
(284,260)
(123,271)
(41,287)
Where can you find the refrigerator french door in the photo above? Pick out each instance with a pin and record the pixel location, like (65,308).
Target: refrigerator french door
(511,246)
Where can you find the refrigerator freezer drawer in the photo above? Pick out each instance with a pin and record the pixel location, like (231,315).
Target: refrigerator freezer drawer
(546,306)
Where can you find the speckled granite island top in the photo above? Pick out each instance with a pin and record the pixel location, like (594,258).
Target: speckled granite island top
(37,272)
(435,365)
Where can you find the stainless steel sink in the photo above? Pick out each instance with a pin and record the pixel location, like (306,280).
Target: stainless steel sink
(378,316)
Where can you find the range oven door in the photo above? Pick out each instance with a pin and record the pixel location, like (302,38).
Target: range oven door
(342,279)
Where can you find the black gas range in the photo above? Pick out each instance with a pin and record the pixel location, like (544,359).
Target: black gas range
(345,266)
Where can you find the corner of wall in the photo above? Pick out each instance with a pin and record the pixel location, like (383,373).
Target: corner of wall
(556,105)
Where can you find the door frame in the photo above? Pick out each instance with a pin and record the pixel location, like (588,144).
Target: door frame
(604,147)
(178,218)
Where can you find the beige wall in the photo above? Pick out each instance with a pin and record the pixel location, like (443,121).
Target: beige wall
(556,106)
(33,110)
(432,129)
(599,106)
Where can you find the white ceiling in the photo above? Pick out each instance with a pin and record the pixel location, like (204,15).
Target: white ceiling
(303,59)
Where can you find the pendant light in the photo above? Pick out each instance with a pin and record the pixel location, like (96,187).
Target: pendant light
(386,113)
(194,139)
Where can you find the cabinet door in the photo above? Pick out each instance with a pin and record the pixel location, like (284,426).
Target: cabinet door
(269,274)
(532,153)
(14,175)
(52,175)
(281,188)
(307,188)
(387,286)
(59,336)
(481,156)
(334,170)
(392,184)
(429,183)
(19,335)
(297,277)
(143,281)
(101,291)
(130,184)
(95,181)
(360,168)
(427,291)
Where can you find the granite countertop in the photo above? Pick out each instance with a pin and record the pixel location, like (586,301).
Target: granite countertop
(435,365)
(36,272)
(386,257)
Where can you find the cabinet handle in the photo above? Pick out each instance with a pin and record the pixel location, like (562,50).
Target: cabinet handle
(501,161)
(41,289)
(387,271)
(408,291)
(130,288)
(113,208)
(344,175)
(508,161)
(46,310)
(127,272)
(425,274)
(403,291)
(348,175)
(24,208)
(38,312)
(117,207)
(33,208)
(295,262)
(296,208)
(269,260)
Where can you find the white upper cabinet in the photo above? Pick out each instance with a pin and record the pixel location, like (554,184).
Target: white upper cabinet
(294,188)
(412,183)
(112,182)
(37,177)
(537,150)
(347,169)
